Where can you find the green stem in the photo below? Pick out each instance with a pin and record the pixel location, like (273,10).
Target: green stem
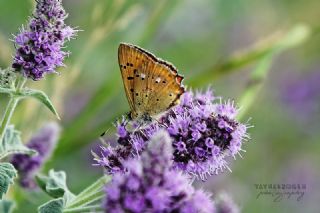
(294,37)
(92,198)
(11,107)
(7,115)
(90,194)
(261,49)
(96,208)
(254,85)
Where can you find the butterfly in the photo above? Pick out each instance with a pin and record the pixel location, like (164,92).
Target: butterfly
(152,85)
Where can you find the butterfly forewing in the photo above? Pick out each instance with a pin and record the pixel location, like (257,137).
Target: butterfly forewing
(152,85)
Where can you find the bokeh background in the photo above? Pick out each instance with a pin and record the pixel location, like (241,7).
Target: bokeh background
(263,54)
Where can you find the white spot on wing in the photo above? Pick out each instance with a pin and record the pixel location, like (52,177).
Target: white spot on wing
(158,80)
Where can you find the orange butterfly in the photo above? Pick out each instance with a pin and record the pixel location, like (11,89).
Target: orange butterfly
(152,85)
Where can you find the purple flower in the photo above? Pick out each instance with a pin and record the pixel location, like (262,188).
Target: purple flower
(39,48)
(43,142)
(224,204)
(150,185)
(300,94)
(204,132)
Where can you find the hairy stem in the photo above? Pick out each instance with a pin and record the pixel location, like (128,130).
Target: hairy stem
(13,101)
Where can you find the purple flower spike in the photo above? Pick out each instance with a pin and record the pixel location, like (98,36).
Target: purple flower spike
(44,143)
(150,185)
(39,48)
(204,133)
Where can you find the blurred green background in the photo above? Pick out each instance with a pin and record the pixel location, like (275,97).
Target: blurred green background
(263,54)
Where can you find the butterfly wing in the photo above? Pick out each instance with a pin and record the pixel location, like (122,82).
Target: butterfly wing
(126,58)
(151,84)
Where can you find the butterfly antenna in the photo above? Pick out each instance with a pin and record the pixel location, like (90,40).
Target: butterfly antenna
(103,134)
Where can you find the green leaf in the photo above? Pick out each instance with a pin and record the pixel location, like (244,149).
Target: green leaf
(52,206)
(7,174)
(55,185)
(12,144)
(6,206)
(40,96)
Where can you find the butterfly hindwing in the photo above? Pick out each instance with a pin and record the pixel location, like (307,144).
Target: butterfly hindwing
(165,88)
(152,85)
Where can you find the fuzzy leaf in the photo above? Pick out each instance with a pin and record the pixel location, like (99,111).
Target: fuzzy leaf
(7,79)
(52,206)
(6,206)
(12,144)
(40,96)
(7,174)
(55,185)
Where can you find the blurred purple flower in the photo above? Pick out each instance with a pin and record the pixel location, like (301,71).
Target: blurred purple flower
(151,186)
(301,95)
(204,133)
(44,143)
(39,48)
(224,204)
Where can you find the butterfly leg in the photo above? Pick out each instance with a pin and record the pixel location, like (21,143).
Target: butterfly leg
(160,123)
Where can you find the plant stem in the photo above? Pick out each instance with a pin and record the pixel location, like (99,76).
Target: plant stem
(7,115)
(96,208)
(261,49)
(91,194)
(11,107)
